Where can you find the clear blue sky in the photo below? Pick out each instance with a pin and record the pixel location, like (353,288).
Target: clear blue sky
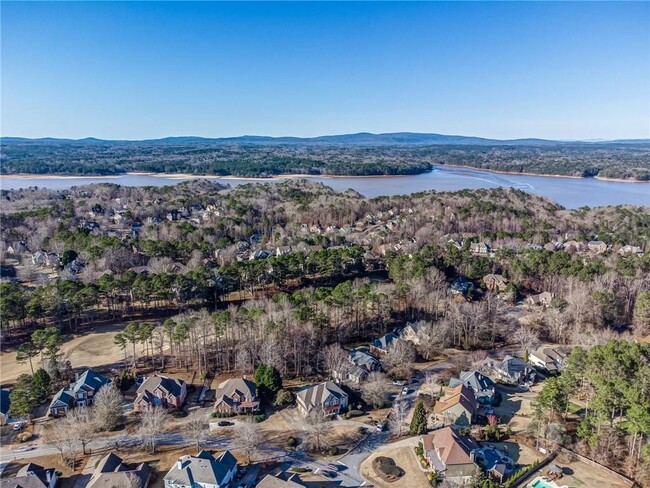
(505,70)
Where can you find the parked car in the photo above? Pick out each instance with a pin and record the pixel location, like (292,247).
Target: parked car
(381,427)
(24,448)
(405,390)
(18,426)
(399,382)
(225,423)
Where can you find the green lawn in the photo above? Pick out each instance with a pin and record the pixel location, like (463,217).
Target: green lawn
(575,409)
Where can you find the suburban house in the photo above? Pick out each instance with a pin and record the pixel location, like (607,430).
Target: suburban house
(542,300)
(481,385)
(362,363)
(414,333)
(628,249)
(79,393)
(461,286)
(597,246)
(32,476)
(512,370)
(549,358)
(5,404)
(575,246)
(112,472)
(326,396)
(202,471)
(380,346)
(459,406)
(160,391)
(236,395)
(280,481)
(495,282)
(480,248)
(450,454)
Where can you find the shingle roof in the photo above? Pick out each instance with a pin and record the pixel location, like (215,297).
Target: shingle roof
(384,342)
(90,380)
(460,394)
(169,385)
(270,481)
(480,384)
(5,402)
(235,387)
(315,395)
(202,469)
(29,476)
(452,447)
(111,473)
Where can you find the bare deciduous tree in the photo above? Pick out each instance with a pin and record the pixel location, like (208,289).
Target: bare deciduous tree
(375,390)
(316,426)
(152,426)
(63,439)
(81,422)
(400,358)
(248,438)
(195,429)
(107,407)
(335,360)
(397,418)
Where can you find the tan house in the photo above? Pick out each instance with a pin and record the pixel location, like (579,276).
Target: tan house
(495,282)
(236,395)
(480,248)
(450,454)
(459,406)
(575,246)
(160,391)
(112,472)
(597,247)
(542,300)
(326,396)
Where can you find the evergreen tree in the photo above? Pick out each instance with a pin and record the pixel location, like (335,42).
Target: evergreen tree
(41,383)
(268,381)
(419,420)
(22,400)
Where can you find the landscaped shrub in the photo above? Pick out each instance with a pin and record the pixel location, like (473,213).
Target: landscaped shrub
(333,451)
(292,442)
(179,414)
(259,418)
(299,470)
(353,413)
(24,436)
(283,397)
(387,469)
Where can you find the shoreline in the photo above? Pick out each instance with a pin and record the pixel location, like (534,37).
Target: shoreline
(525,173)
(280,177)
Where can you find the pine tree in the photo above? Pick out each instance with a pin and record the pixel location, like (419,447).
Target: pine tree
(268,381)
(419,420)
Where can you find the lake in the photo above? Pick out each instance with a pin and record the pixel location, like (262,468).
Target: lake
(569,192)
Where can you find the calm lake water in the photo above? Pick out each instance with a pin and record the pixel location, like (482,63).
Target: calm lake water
(569,192)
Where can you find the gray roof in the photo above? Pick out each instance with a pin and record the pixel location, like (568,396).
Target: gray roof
(170,385)
(29,476)
(315,395)
(384,342)
(362,357)
(111,473)
(5,402)
(231,390)
(270,481)
(90,380)
(202,469)
(479,383)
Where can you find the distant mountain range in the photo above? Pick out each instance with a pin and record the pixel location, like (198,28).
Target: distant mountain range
(360,139)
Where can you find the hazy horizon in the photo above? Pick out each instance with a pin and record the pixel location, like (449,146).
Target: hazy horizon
(496,70)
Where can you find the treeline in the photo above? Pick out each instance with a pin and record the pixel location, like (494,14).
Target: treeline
(612,382)
(626,161)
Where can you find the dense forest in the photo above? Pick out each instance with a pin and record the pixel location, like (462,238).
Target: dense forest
(263,159)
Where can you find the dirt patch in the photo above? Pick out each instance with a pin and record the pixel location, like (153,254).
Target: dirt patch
(578,474)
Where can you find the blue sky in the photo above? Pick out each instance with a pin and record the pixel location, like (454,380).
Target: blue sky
(130,70)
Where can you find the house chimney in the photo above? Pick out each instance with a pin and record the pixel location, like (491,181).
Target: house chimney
(48,476)
(179,463)
(76,376)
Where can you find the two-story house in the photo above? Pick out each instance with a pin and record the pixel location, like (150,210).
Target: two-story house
(236,395)
(160,391)
(459,406)
(482,386)
(79,393)
(326,396)
(112,472)
(450,454)
(32,476)
(202,471)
